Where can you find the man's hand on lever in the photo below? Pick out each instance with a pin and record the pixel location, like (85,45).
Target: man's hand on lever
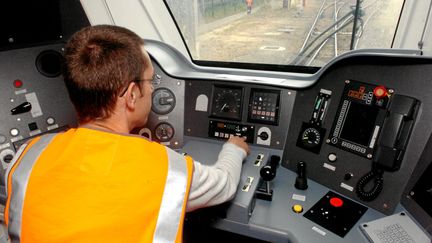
(240,141)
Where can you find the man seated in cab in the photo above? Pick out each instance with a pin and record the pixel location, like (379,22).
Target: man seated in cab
(98,182)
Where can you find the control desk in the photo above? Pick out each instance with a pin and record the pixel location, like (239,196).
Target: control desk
(348,143)
(330,152)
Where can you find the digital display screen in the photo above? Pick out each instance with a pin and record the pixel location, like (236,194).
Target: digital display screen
(264,106)
(359,123)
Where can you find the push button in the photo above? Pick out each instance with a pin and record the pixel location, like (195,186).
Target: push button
(33,126)
(332,157)
(2,138)
(17,83)
(336,202)
(380,92)
(50,121)
(297,208)
(14,132)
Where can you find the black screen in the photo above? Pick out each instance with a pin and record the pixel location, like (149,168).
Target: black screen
(359,123)
(29,22)
(422,191)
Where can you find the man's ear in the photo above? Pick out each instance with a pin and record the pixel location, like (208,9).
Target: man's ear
(131,96)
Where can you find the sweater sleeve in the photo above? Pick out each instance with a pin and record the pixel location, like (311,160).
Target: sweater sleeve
(212,185)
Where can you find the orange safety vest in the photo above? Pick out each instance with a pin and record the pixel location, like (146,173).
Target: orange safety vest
(87,185)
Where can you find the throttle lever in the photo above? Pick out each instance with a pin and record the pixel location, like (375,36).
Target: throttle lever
(268,173)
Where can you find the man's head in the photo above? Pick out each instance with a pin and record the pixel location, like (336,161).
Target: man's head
(102,65)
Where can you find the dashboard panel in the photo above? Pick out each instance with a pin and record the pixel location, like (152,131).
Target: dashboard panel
(260,119)
(363,116)
(28,107)
(313,138)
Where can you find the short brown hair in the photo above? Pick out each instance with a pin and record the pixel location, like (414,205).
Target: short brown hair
(99,61)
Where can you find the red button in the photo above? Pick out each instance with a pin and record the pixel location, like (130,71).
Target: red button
(17,83)
(380,92)
(336,202)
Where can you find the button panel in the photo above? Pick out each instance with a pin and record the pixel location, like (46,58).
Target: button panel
(224,130)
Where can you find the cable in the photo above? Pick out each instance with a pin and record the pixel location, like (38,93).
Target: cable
(377,176)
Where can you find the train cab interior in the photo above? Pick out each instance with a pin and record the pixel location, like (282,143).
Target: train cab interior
(333,97)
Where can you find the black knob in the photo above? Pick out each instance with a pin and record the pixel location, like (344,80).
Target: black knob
(348,176)
(263,135)
(24,107)
(268,172)
(301,180)
(8,158)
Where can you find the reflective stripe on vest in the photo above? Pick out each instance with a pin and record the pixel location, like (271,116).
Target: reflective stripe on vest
(12,163)
(171,208)
(20,178)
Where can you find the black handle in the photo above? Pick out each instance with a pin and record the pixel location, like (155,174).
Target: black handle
(301,180)
(22,108)
(268,172)
(395,132)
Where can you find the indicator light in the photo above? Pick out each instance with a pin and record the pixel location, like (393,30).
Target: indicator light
(380,92)
(336,202)
(17,83)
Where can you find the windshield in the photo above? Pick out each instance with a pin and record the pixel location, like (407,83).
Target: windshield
(283,32)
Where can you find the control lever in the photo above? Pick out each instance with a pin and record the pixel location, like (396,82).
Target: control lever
(268,173)
(23,108)
(301,180)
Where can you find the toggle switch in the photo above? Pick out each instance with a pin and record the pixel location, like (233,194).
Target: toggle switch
(23,108)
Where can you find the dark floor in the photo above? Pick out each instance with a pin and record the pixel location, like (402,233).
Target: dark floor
(197,229)
(200,234)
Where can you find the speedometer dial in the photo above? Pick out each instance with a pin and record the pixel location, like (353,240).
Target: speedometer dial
(227,102)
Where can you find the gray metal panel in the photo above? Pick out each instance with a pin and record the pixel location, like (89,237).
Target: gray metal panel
(197,122)
(275,221)
(176,117)
(50,93)
(278,214)
(407,76)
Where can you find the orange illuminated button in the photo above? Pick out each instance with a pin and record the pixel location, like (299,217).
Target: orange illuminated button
(336,202)
(380,92)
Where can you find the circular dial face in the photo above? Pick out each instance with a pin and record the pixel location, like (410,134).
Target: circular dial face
(227,102)
(163,101)
(164,132)
(311,137)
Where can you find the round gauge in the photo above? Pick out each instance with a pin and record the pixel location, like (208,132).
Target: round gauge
(163,101)
(227,102)
(311,137)
(164,132)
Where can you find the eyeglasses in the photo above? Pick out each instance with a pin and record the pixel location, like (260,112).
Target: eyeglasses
(154,79)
